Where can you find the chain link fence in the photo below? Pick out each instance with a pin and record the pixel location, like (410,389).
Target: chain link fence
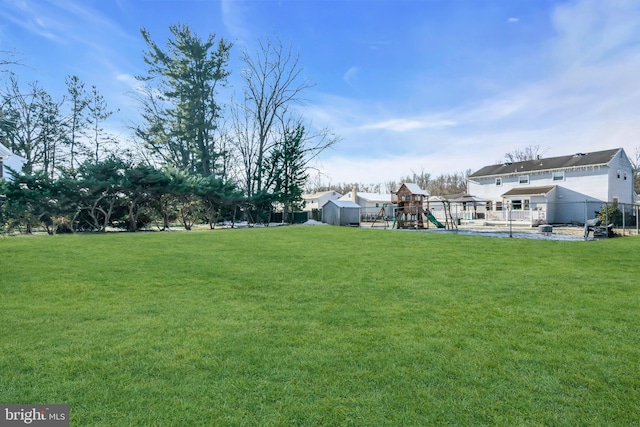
(621,217)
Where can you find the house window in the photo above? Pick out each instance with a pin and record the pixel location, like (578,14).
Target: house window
(498,182)
(558,176)
(618,173)
(625,176)
(489,205)
(498,206)
(525,204)
(523,179)
(516,205)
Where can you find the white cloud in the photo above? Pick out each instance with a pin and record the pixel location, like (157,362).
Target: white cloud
(63,21)
(351,75)
(403,125)
(513,20)
(588,100)
(234,20)
(132,84)
(595,30)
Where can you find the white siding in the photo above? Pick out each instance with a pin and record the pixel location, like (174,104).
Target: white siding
(317,201)
(596,184)
(578,185)
(619,187)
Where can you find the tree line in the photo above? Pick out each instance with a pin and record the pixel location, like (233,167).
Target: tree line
(439,185)
(253,149)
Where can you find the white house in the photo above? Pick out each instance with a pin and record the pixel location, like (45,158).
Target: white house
(370,203)
(317,200)
(561,189)
(9,160)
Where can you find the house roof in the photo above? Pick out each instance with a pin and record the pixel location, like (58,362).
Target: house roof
(414,189)
(319,194)
(562,162)
(467,198)
(344,203)
(529,191)
(370,197)
(7,154)
(4,151)
(437,198)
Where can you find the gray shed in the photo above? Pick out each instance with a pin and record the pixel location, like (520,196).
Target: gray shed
(341,212)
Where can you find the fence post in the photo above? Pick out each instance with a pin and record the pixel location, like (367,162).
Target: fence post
(606,217)
(623,221)
(586,218)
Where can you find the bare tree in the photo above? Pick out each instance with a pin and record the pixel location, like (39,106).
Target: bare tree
(273,85)
(530,152)
(30,125)
(8,58)
(97,113)
(635,162)
(77,120)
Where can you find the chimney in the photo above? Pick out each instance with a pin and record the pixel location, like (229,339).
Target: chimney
(354,196)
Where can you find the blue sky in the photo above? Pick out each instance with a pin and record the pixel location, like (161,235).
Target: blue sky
(439,86)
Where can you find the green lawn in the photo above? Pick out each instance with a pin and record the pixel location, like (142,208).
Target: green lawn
(322,326)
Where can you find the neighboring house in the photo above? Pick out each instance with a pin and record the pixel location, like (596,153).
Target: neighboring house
(565,189)
(9,160)
(341,212)
(317,200)
(371,203)
(367,200)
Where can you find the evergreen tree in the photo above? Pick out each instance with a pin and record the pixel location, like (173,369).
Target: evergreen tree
(288,170)
(181,121)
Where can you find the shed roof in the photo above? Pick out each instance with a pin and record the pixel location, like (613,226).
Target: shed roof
(562,162)
(529,191)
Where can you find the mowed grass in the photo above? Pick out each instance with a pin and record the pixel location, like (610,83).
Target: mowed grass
(322,326)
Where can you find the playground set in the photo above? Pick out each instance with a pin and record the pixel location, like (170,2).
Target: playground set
(411,212)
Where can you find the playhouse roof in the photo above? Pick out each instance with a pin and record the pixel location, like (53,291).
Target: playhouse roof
(414,188)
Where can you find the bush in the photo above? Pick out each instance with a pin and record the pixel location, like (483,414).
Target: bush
(610,214)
